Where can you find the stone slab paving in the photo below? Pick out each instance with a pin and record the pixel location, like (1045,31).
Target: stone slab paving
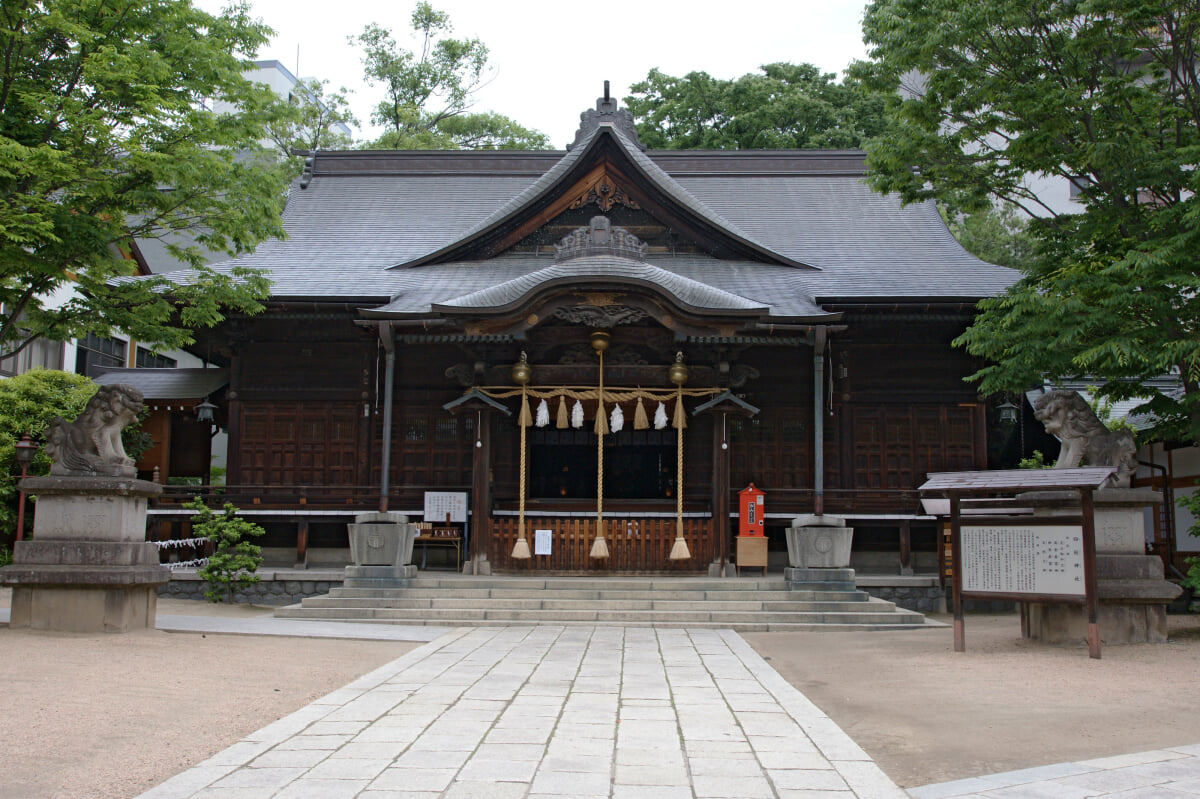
(551,711)
(1158,774)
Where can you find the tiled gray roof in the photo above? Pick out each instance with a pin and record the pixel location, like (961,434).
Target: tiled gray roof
(169,384)
(700,279)
(687,292)
(365,212)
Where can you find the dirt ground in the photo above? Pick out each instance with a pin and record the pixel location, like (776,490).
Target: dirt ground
(927,714)
(112,715)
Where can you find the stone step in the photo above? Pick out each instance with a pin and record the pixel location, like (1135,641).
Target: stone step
(553,602)
(593,595)
(602,583)
(913,622)
(884,615)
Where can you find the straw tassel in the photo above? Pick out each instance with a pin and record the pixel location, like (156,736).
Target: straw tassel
(679,551)
(599,547)
(525,419)
(521,548)
(601,425)
(680,421)
(562,423)
(640,422)
(543,414)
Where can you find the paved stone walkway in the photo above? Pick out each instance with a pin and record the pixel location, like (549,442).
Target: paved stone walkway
(1158,774)
(541,712)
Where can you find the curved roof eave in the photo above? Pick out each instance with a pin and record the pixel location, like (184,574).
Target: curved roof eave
(544,186)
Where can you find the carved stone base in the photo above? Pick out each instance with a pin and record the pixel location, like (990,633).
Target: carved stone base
(819,542)
(118,609)
(379,576)
(1133,606)
(88,567)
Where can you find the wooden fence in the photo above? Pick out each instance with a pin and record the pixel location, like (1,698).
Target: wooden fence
(634,544)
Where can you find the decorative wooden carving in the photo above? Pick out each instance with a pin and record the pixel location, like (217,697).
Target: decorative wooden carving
(604,193)
(583,353)
(601,316)
(600,238)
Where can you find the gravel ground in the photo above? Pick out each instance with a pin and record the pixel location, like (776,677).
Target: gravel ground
(112,715)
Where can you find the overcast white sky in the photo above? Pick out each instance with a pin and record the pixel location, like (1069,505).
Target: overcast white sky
(551,58)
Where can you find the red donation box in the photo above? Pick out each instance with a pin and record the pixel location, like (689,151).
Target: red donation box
(751,511)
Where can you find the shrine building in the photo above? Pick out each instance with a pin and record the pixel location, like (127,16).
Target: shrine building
(606,342)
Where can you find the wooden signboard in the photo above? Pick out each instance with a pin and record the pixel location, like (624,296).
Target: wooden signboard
(1037,560)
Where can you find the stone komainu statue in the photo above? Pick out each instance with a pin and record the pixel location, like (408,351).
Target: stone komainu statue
(91,445)
(1085,439)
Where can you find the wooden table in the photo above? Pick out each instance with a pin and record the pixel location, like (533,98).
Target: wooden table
(445,541)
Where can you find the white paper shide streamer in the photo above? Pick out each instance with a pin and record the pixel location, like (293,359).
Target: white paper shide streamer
(660,417)
(577,415)
(543,415)
(617,420)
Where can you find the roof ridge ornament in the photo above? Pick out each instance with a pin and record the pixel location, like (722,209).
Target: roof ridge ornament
(600,238)
(606,112)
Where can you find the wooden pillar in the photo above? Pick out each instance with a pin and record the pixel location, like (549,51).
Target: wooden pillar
(233,464)
(819,420)
(302,543)
(960,638)
(906,567)
(720,494)
(481,493)
(387,339)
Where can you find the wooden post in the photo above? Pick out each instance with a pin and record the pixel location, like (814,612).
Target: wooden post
(1089,571)
(720,493)
(906,547)
(302,543)
(960,637)
(480,489)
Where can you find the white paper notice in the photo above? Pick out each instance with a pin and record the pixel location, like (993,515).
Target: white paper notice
(1016,559)
(541,542)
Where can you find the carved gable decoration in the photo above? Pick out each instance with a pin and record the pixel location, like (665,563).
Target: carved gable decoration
(601,316)
(605,193)
(600,238)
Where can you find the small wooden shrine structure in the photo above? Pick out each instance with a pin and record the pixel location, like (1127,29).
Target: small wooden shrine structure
(606,343)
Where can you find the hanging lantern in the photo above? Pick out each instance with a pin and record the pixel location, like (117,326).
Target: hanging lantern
(1008,412)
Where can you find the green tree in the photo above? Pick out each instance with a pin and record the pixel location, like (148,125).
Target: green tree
(308,119)
(788,106)
(1104,94)
(994,234)
(28,403)
(232,565)
(428,93)
(106,137)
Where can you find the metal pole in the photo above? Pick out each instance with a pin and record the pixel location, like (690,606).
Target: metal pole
(387,338)
(1089,571)
(960,635)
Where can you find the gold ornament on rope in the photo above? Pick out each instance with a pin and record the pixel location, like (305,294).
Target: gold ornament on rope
(521,373)
(678,374)
(600,341)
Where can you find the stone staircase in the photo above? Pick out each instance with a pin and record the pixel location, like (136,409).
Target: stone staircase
(823,600)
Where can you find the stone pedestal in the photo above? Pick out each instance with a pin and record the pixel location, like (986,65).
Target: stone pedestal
(819,542)
(1133,594)
(381,545)
(88,567)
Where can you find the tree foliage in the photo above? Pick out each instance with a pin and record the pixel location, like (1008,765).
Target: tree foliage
(106,136)
(787,106)
(428,92)
(28,403)
(1104,93)
(235,558)
(309,119)
(996,234)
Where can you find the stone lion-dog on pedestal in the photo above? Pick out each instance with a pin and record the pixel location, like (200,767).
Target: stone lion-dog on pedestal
(91,445)
(1085,439)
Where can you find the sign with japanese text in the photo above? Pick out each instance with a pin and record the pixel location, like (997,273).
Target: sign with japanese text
(1023,559)
(440,503)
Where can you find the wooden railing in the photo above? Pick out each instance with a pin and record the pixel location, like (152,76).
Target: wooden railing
(634,544)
